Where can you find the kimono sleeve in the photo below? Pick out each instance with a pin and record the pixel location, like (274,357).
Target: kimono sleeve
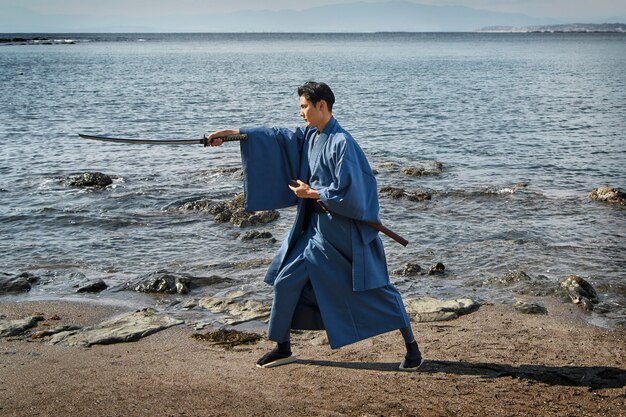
(270,159)
(353,192)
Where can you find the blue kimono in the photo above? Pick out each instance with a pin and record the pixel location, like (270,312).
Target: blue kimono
(330,272)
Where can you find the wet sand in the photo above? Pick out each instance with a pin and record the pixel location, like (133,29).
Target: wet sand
(495,361)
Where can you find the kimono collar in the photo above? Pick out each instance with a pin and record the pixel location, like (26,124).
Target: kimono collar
(329,126)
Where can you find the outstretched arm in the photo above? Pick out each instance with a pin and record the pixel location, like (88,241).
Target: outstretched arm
(215,137)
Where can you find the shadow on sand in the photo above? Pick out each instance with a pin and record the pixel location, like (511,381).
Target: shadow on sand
(594,377)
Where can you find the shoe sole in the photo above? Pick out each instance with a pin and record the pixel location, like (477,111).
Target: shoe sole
(278,362)
(415,368)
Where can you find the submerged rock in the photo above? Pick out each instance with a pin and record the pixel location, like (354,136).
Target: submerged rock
(236,307)
(437,269)
(520,283)
(257,234)
(609,195)
(10,284)
(409,270)
(397,193)
(232,212)
(90,179)
(95,286)
(17,327)
(431,309)
(429,168)
(165,282)
(579,291)
(128,328)
(530,307)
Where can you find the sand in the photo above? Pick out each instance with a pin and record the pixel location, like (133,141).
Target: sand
(495,361)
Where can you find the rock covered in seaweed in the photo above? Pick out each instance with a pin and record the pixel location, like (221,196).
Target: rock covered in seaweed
(95,286)
(409,270)
(580,291)
(609,195)
(89,179)
(397,193)
(166,282)
(530,307)
(10,284)
(257,234)
(232,212)
(427,169)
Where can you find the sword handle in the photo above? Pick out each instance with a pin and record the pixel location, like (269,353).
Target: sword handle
(230,138)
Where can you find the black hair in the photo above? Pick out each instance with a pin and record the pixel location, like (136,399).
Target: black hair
(314,92)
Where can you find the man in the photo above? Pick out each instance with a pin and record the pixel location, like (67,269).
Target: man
(330,272)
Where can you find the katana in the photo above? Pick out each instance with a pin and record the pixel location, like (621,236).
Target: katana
(203,141)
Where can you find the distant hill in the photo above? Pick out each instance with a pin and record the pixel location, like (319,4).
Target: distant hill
(389,16)
(573,27)
(383,16)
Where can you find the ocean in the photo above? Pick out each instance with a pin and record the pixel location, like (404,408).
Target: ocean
(525,126)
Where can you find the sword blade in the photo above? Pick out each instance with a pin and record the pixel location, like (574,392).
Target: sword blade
(201,141)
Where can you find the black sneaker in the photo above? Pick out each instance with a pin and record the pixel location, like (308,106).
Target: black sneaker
(410,364)
(275,358)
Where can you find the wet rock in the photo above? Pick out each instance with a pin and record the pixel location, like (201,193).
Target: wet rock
(232,212)
(427,169)
(437,269)
(90,179)
(409,270)
(95,286)
(520,283)
(257,234)
(10,284)
(579,291)
(609,195)
(514,276)
(431,309)
(397,193)
(166,282)
(529,307)
(128,328)
(236,308)
(17,327)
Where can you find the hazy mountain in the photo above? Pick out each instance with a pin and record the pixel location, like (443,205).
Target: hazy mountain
(350,17)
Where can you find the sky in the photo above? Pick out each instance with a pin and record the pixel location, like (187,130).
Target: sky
(560,9)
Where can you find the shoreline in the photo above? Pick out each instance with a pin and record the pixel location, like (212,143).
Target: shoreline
(494,361)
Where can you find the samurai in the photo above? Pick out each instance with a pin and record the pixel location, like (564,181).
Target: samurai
(330,272)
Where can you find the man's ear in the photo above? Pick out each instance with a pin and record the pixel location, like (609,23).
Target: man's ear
(322,105)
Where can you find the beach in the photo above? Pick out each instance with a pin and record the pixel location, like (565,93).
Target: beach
(494,361)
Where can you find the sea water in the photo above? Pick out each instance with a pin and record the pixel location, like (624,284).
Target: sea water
(524,125)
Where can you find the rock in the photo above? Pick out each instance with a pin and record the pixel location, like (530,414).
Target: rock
(90,179)
(437,269)
(128,328)
(579,291)
(513,277)
(95,286)
(530,307)
(409,270)
(49,332)
(14,284)
(232,212)
(430,309)
(429,168)
(165,282)
(17,327)
(238,309)
(397,193)
(609,195)
(256,234)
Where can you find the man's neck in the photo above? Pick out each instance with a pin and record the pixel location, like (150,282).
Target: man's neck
(322,125)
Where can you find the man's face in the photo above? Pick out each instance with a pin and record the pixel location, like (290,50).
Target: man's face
(312,114)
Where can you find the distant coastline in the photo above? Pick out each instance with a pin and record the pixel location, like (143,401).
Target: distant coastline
(568,28)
